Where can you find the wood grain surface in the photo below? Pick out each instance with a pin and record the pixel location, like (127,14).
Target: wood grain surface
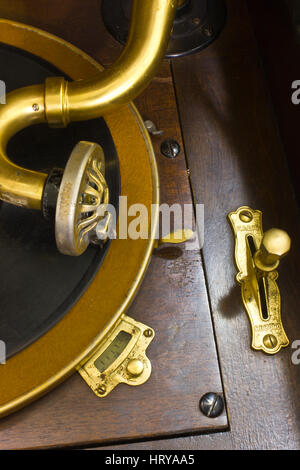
(236,158)
(280,55)
(173,298)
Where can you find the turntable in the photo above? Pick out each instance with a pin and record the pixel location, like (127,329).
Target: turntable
(111,338)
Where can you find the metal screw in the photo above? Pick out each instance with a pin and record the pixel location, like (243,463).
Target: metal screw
(148,333)
(170,148)
(270,341)
(211,405)
(35,107)
(101,389)
(246,216)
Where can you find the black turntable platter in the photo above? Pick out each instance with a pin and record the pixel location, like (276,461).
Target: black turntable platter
(38,284)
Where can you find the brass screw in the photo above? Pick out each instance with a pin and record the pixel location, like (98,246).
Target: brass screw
(246,216)
(270,341)
(101,389)
(148,333)
(35,107)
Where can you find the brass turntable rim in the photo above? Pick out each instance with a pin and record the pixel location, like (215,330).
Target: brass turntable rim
(78,64)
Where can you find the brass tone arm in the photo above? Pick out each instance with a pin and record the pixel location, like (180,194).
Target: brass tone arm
(24,107)
(59,102)
(151,25)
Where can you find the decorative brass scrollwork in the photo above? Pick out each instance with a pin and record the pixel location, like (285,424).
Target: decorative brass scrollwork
(82,199)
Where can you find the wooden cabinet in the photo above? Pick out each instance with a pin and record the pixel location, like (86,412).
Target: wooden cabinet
(216,104)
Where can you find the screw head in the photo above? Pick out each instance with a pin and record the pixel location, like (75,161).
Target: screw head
(211,405)
(148,333)
(170,148)
(270,341)
(101,389)
(246,216)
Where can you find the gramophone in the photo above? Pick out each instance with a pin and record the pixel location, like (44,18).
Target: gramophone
(70,146)
(67,286)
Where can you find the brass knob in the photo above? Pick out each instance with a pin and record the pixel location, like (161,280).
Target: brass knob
(275,245)
(135,367)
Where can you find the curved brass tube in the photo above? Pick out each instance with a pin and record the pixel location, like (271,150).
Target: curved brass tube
(23,108)
(148,40)
(59,102)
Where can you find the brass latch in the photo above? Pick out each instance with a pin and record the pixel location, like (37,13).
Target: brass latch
(120,358)
(257,257)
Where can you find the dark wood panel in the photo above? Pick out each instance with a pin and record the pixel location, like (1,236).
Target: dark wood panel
(236,158)
(218,441)
(280,55)
(173,298)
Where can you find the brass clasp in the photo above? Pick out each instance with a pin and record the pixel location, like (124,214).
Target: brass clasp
(257,257)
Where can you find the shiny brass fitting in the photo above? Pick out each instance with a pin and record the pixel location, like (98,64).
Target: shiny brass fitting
(56,102)
(275,245)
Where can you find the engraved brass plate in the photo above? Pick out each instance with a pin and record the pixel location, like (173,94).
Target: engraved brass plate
(120,359)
